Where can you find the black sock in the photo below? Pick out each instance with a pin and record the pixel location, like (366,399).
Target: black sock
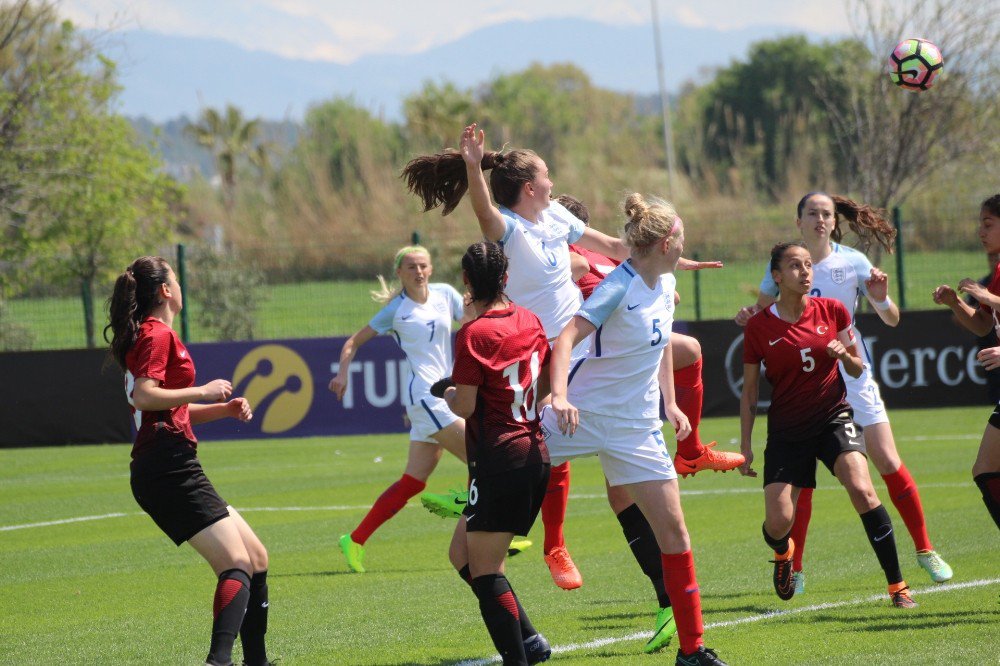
(878,527)
(646,551)
(989,484)
(527,629)
(231,595)
(499,608)
(780,546)
(255,622)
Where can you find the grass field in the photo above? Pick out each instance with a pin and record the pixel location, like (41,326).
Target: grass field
(88,579)
(317,309)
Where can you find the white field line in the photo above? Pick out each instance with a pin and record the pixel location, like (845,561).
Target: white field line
(361,507)
(644,635)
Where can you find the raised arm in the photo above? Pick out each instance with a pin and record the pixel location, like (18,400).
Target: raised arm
(973,319)
(472,147)
(878,295)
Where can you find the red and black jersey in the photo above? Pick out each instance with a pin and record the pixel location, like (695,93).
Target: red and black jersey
(159,354)
(994,288)
(502,352)
(600,266)
(808,389)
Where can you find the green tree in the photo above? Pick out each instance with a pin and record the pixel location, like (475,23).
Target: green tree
(233,140)
(435,115)
(88,197)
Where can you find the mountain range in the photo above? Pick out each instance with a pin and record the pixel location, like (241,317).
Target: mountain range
(166,76)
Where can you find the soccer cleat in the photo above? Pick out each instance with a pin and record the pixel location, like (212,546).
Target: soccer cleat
(447,505)
(799,578)
(784,583)
(717,461)
(518,546)
(702,657)
(665,630)
(900,595)
(934,565)
(537,649)
(564,572)
(354,552)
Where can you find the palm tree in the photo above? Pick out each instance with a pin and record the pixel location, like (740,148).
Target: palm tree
(232,139)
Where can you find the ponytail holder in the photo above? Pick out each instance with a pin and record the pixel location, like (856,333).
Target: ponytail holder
(673,225)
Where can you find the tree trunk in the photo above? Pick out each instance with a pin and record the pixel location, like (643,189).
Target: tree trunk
(87,296)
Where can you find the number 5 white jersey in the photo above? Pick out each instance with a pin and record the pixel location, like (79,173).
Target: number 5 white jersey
(619,376)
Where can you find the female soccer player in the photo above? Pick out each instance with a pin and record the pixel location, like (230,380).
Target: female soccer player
(419,315)
(499,357)
(166,477)
(843,273)
(802,340)
(986,470)
(535,234)
(607,404)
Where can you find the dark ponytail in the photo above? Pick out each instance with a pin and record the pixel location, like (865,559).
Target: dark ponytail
(133,298)
(870,224)
(779,250)
(485,266)
(441,179)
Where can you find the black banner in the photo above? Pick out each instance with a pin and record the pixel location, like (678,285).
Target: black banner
(926,361)
(53,398)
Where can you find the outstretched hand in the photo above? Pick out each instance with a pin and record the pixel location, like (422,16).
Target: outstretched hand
(472,145)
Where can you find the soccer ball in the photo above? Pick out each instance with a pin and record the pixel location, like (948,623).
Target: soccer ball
(914,64)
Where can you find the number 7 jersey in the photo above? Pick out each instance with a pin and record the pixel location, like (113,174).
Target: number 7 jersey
(808,389)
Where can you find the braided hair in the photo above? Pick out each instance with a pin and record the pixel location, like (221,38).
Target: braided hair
(485,267)
(870,224)
(133,298)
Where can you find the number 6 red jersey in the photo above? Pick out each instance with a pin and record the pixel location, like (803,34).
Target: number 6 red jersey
(808,389)
(503,353)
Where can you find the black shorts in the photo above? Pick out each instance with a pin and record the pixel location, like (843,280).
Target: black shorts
(793,461)
(169,485)
(995,417)
(507,501)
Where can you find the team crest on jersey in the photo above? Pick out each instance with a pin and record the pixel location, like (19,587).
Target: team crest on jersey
(440,307)
(838,275)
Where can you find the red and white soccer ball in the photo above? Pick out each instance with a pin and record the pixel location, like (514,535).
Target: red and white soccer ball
(914,64)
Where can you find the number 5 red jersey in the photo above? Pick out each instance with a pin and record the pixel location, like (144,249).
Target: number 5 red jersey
(808,389)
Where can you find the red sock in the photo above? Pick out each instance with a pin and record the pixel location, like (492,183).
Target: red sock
(554,507)
(904,495)
(386,506)
(689,392)
(682,588)
(803,512)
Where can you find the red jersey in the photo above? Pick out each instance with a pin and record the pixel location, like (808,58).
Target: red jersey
(808,389)
(159,354)
(502,352)
(994,288)
(600,266)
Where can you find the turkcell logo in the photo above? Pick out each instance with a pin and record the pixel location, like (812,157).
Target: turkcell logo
(278,384)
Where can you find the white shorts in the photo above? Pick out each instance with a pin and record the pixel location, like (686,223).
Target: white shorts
(864,397)
(630,450)
(428,415)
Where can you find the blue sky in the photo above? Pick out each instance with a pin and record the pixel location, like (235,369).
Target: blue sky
(342,31)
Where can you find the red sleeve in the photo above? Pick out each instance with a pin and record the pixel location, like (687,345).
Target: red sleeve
(750,350)
(843,318)
(468,370)
(545,352)
(150,354)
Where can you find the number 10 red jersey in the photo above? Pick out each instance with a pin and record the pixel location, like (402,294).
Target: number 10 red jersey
(502,352)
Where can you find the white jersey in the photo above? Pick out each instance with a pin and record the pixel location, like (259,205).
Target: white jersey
(539,276)
(423,332)
(619,376)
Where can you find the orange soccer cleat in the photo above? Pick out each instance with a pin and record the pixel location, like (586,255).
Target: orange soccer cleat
(900,595)
(717,461)
(564,572)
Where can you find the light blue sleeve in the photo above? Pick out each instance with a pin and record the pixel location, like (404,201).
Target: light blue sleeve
(607,296)
(575,225)
(454,299)
(382,321)
(768,285)
(861,265)
(509,223)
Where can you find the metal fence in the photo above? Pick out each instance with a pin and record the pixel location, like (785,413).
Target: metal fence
(303,288)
